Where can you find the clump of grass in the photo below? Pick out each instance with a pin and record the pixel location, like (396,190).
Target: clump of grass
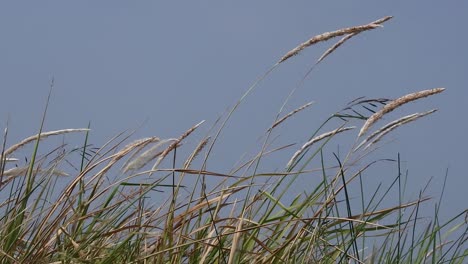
(131,203)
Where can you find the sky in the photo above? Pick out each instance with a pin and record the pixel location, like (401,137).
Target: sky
(163,66)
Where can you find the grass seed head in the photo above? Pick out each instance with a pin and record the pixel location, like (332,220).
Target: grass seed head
(392,105)
(332,34)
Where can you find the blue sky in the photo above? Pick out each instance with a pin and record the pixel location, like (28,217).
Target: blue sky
(170,65)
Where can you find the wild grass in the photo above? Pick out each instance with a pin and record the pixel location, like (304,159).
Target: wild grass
(130,203)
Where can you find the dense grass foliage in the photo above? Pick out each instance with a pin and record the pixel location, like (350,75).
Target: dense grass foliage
(108,208)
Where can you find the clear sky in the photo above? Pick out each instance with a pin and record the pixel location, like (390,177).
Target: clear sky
(175,63)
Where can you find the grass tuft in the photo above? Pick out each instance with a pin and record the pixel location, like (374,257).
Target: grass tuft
(155,200)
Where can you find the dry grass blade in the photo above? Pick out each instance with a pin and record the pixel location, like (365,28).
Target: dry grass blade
(235,241)
(395,104)
(42,136)
(196,172)
(290,114)
(391,126)
(314,140)
(201,205)
(332,34)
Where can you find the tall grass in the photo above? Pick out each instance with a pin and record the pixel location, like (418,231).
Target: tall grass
(108,210)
